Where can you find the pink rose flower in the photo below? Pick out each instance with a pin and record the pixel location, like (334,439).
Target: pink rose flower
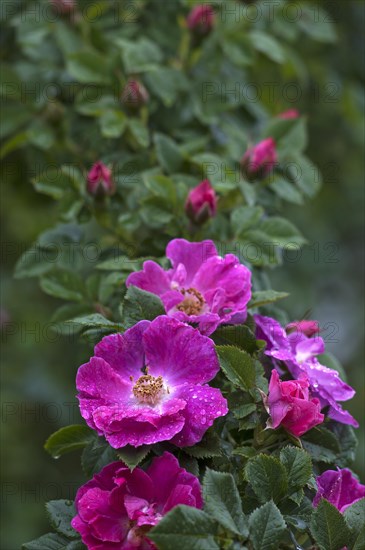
(117,508)
(150,384)
(99,180)
(307,327)
(299,354)
(259,160)
(289,114)
(134,94)
(201,287)
(201,203)
(290,405)
(201,19)
(340,488)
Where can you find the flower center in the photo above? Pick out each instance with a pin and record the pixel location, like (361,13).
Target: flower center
(148,389)
(193,302)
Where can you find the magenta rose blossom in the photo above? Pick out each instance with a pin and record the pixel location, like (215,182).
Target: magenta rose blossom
(298,353)
(201,19)
(307,327)
(289,114)
(134,94)
(340,488)
(117,508)
(201,203)
(290,405)
(202,287)
(150,384)
(99,180)
(259,160)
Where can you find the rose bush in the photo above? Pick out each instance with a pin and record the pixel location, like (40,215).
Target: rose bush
(194,382)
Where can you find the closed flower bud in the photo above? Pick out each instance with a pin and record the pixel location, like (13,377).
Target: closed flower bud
(134,94)
(290,113)
(201,20)
(259,160)
(201,203)
(63,7)
(99,181)
(309,328)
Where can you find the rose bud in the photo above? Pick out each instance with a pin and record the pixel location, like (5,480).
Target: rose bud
(63,7)
(134,94)
(201,203)
(290,113)
(290,405)
(99,181)
(259,160)
(200,20)
(309,328)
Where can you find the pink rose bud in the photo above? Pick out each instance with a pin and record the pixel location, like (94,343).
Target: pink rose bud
(63,6)
(290,113)
(201,203)
(134,94)
(309,328)
(259,160)
(99,181)
(201,19)
(290,405)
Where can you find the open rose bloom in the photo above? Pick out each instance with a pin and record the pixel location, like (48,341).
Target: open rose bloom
(150,384)
(117,508)
(290,405)
(340,488)
(201,287)
(299,353)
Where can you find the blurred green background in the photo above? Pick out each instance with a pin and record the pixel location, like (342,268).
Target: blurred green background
(38,367)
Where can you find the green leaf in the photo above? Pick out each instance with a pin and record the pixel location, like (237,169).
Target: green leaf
(267,526)
(185,528)
(140,55)
(60,514)
(245,217)
(267,45)
(96,455)
(238,366)
(267,477)
(132,456)
(286,191)
(281,232)
(34,262)
(140,305)
(262,297)
(354,517)
(67,285)
(240,336)
(318,24)
(347,440)
(139,131)
(68,439)
(88,67)
(166,83)
(321,444)
(298,467)
(328,527)
(112,123)
(168,153)
(305,175)
(223,502)
(95,320)
(54,183)
(208,447)
(53,541)
(161,186)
